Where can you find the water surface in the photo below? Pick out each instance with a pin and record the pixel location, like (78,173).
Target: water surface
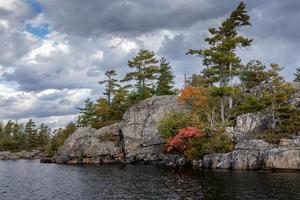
(23,179)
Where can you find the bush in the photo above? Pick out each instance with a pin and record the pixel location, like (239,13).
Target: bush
(270,136)
(170,125)
(182,141)
(289,119)
(217,143)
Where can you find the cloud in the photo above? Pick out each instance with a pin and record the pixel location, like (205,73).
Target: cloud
(50,102)
(53,53)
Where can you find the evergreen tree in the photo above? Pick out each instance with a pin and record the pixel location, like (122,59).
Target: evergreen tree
(111,84)
(8,129)
(120,103)
(297,75)
(102,111)
(87,116)
(277,91)
(145,69)
(31,134)
(220,59)
(253,74)
(165,79)
(43,135)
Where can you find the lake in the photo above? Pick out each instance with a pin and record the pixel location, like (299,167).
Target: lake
(25,179)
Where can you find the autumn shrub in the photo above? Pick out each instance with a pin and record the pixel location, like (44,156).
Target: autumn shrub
(182,141)
(194,97)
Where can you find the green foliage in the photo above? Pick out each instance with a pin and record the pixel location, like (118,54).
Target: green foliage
(59,137)
(217,143)
(270,136)
(221,61)
(172,123)
(288,119)
(165,79)
(297,75)
(144,67)
(253,74)
(87,116)
(250,104)
(17,136)
(111,84)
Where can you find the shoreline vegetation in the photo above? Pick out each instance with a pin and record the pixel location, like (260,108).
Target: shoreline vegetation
(224,90)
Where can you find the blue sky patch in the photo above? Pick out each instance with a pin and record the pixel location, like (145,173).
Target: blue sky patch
(35,5)
(40,31)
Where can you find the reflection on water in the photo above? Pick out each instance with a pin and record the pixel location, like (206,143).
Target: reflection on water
(31,180)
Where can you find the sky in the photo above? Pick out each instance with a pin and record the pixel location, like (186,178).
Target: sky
(54,52)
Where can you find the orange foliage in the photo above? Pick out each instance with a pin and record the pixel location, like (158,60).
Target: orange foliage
(181,142)
(194,97)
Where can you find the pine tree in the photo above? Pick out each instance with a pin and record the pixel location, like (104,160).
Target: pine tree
(277,90)
(253,74)
(111,84)
(43,135)
(165,79)
(297,75)
(145,69)
(87,116)
(31,134)
(222,63)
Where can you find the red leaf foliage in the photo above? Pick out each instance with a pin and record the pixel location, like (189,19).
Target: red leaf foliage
(181,142)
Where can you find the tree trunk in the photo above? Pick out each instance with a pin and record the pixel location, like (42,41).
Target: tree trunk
(273,116)
(222,110)
(230,101)
(108,99)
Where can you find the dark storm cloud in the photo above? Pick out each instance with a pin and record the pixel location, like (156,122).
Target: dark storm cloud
(94,17)
(86,38)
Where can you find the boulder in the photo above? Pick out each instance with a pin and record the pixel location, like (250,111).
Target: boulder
(253,122)
(89,145)
(247,155)
(282,158)
(134,139)
(217,161)
(140,125)
(6,155)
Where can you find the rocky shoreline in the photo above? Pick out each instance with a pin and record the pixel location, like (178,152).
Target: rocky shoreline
(28,155)
(136,140)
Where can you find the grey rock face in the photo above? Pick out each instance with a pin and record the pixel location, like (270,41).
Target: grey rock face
(88,145)
(34,154)
(246,155)
(282,158)
(257,154)
(134,138)
(252,122)
(139,125)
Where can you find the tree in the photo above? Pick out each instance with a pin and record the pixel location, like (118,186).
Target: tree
(31,134)
(87,116)
(297,75)
(145,68)
(253,74)
(165,79)
(59,137)
(120,103)
(111,84)
(103,113)
(43,135)
(222,63)
(277,91)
